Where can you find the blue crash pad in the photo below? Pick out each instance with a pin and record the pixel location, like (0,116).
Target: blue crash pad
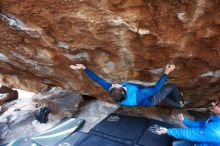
(124,129)
(74,139)
(129,130)
(151,138)
(23,141)
(94,140)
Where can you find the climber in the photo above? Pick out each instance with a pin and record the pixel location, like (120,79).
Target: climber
(199,133)
(130,94)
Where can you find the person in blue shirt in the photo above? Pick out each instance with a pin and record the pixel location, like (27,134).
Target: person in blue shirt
(130,94)
(199,133)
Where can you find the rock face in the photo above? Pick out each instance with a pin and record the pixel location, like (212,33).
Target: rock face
(7,94)
(121,40)
(62,103)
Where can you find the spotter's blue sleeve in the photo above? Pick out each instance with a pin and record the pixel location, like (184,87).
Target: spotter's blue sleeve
(206,135)
(193,124)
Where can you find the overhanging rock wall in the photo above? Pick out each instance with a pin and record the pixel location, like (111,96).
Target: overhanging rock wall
(121,40)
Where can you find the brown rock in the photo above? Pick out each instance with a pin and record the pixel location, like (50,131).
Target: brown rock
(7,94)
(62,103)
(120,40)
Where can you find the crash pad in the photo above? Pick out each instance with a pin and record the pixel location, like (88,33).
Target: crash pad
(74,139)
(131,130)
(58,133)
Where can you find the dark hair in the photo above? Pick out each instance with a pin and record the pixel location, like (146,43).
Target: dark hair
(118,94)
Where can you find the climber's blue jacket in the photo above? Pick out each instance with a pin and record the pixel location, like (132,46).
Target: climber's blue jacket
(136,94)
(203,133)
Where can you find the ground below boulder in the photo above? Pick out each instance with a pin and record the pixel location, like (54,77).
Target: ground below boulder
(18,116)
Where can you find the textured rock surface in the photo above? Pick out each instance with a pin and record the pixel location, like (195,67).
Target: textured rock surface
(7,94)
(119,39)
(62,103)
